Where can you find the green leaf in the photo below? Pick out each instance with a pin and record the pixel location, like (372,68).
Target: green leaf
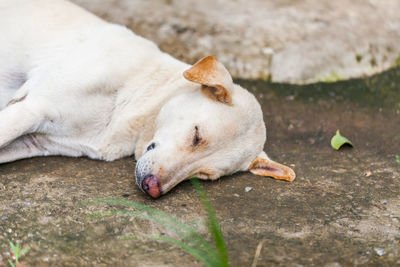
(338,141)
(13,248)
(205,258)
(23,251)
(398,158)
(11,263)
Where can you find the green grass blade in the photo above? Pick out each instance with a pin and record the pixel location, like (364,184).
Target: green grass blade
(192,242)
(185,232)
(213,223)
(182,230)
(194,247)
(23,251)
(154,214)
(11,263)
(17,254)
(13,248)
(204,258)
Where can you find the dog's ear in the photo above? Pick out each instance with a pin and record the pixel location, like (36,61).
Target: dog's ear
(264,166)
(214,77)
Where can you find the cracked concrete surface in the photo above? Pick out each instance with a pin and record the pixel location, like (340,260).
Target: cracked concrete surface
(342,210)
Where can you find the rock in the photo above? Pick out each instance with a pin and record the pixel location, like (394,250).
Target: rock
(248,188)
(285,41)
(380,251)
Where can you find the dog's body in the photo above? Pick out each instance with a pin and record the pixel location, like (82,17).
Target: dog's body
(72,84)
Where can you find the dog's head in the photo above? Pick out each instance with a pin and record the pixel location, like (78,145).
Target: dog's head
(215,130)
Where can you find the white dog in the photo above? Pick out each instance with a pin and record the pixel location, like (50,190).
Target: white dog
(72,84)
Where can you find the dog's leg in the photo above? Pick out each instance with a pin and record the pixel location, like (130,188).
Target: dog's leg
(36,145)
(26,146)
(17,119)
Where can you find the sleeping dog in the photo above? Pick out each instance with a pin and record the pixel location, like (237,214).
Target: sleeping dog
(72,84)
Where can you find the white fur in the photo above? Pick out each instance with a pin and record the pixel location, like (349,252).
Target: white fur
(80,86)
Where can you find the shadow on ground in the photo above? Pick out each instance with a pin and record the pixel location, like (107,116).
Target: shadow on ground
(343,209)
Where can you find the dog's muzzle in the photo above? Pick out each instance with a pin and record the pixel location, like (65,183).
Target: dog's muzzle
(148,183)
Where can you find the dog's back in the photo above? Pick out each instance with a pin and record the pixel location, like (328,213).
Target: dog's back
(36,21)
(39,33)
(28,30)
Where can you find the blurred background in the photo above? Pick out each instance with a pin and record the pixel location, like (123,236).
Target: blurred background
(296,41)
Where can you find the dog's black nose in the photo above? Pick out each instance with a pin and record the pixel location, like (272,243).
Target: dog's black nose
(151,146)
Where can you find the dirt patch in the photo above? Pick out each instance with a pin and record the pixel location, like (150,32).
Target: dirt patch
(343,208)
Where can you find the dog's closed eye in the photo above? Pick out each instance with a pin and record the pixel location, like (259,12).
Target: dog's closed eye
(197,138)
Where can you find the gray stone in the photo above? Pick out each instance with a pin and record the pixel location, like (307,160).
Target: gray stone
(287,41)
(380,251)
(248,188)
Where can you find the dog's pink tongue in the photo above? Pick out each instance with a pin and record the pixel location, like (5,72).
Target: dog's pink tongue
(152,186)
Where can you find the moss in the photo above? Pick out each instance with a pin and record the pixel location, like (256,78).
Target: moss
(359,58)
(332,77)
(380,90)
(265,76)
(373,62)
(397,61)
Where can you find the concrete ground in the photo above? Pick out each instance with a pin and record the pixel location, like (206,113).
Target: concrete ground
(342,210)
(281,40)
